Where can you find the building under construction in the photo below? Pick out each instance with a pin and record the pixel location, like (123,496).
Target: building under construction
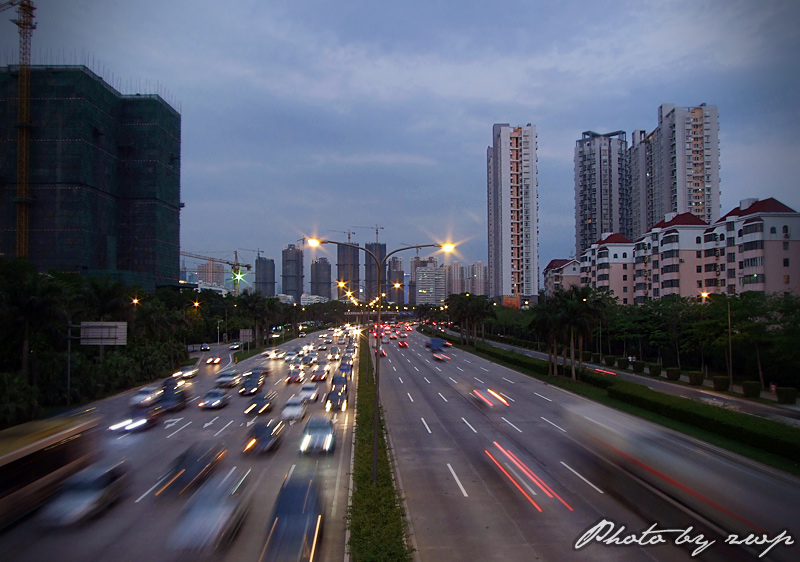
(104,182)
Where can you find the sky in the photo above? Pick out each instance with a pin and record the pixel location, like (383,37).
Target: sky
(312,118)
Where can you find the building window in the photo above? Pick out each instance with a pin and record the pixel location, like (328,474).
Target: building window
(699,284)
(624,301)
(786,279)
(624,289)
(785,245)
(785,262)
(624,254)
(624,266)
(773,230)
(699,269)
(699,254)
(624,277)
(697,240)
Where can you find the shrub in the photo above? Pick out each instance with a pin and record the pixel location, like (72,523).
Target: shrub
(751,389)
(594,379)
(654,369)
(597,357)
(721,383)
(587,356)
(786,395)
(673,373)
(622,362)
(638,367)
(609,360)
(696,378)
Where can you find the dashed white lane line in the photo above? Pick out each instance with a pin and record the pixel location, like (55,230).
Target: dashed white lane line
(443,398)
(409,396)
(540,396)
(224,428)
(477,379)
(554,425)
(417,370)
(438,369)
(468,425)
(507,396)
(453,472)
(140,498)
(511,424)
(177,430)
(509,380)
(400,379)
(394,368)
(581,477)
(426,380)
(452,379)
(485,369)
(459,368)
(425,424)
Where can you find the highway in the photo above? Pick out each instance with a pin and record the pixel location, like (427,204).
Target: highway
(138,527)
(527,480)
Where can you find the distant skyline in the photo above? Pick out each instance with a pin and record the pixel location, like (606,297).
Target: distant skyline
(306,119)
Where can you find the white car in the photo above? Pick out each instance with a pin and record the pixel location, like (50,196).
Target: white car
(295,409)
(309,393)
(290,356)
(146,396)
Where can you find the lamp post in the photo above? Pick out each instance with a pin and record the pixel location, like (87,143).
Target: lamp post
(379,263)
(705,295)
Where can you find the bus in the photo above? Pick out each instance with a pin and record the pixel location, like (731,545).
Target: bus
(37,456)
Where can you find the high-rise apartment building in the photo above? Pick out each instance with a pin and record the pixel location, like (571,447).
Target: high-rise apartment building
(212,273)
(476,282)
(417,263)
(292,272)
(513,223)
(431,285)
(265,277)
(371,270)
(456,279)
(602,187)
(104,177)
(348,271)
(396,281)
(321,278)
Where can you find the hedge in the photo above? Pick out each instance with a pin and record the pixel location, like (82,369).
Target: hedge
(673,373)
(638,367)
(696,378)
(654,369)
(770,436)
(622,362)
(721,383)
(609,360)
(786,395)
(751,389)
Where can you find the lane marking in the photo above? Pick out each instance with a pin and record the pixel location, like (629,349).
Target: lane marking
(409,396)
(507,396)
(477,379)
(425,424)
(438,369)
(160,480)
(467,361)
(223,429)
(509,380)
(511,424)
(177,430)
(417,370)
(443,398)
(540,396)
(487,370)
(426,380)
(459,368)
(394,368)
(581,477)
(453,472)
(400,379)
(554,425)
(521,479)
(468,425)
(452,379)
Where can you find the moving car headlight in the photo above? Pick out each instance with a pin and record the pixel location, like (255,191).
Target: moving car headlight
(135,424)
(120,425)
(247,411)
(328,406)
(328,442)
(305,442)
(215,403)
(250,444)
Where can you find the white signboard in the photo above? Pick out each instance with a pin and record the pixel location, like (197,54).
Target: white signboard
(104,333)
(246,336)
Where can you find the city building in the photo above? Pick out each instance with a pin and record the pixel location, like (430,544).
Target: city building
(321,278)
(396,283)
(477,278)
(306,299)
(455,278)
(292,272)
(371,270)
(431,285)
(104,178)
(608,265)
(211,273)
(348,271)
(513,223)
(561,274)
(416,263)
(602,187)
(265,277)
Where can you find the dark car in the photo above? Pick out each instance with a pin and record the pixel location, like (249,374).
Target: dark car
(214,399)
(205,347)
(213,516)
(228,379)
(139,419)
(262,404)
(192,467)
(295,377)
(235,346)
(251,384)
(318,436)
(402,343)
(175,399)
(346,370)
(86,494)
(336,401)
(294,529)
(264,437)
(338,382)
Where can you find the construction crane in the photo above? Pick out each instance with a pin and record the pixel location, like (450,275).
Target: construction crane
(376,228)
(236,267)
(24,22)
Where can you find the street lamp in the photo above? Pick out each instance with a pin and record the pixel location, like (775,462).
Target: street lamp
(705,295)
(379,263)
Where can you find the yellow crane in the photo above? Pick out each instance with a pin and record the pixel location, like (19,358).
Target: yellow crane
(24,22)
(236,267)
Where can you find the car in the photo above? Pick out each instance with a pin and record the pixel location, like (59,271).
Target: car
(139,419)
(186,373)
(214,399)
(251,384)
(319,375)
(381,351)
(235,345)
(302,335)
(191,468)
(334,353)
(263,437)
(295,409)
(86,494)
(228,379)
(289,356)
(295,525)
(403,334)
(205,347)
(347,359)
(262,404)
(146,397)
(213,516)
(345,370)
(274,353)
(392,336)
(213,360)
(175,397)
(322,347)
(336,401)
(441,357)
(487,397)
(402,343)
(310,358)
(339,382)
(309,393)
(295,377)
(297,365)
(318,436)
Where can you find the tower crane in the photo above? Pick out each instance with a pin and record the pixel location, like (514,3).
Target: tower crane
(376,227)
(24,22)
(236,267)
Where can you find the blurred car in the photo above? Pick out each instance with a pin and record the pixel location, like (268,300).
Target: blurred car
(309,393)
(251,384)
(441,357)
(175,397)
(322,347)
(185,373)
(228,379)
(392,336)
(381,351)
(295,377)
(205,347)
(318,436)
(295,526)
(346,370)
(262,404)
(309,358)
(139,419)
(213,360)
(264,437)
(334,353)
(403,334)
(235,345)
(487,397)
(319,375)
(192,467)
(402,343)
(146,397)
(274,353)
(295,409)
(214,515)
(347,359)
(336,401)
(289,356)
(338,382)
(302,335)
(297,365)
(214,399)
(86,494)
